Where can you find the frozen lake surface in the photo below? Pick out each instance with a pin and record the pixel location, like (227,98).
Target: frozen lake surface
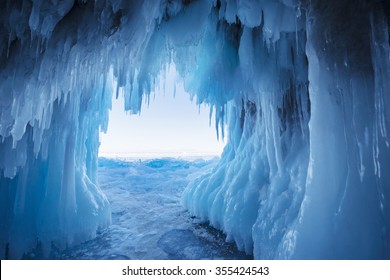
(148,219)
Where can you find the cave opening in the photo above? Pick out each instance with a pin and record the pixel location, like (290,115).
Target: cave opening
(171,123)
(145,162)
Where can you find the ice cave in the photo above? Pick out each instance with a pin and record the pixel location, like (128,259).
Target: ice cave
(303,87)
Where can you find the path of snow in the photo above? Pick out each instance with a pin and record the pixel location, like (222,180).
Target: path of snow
(148,220)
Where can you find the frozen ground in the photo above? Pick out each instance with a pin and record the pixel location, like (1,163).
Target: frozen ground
(148,220)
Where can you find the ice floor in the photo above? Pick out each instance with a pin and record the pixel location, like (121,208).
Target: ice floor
(148,220)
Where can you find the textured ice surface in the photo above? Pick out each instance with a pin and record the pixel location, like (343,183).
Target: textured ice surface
(303,87)
(148,220)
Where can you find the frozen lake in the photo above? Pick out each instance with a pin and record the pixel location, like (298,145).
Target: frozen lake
(148,219)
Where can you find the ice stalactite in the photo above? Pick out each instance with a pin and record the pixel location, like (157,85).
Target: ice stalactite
(55,93)
(311,146)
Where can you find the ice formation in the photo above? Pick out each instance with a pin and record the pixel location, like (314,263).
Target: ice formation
(303,86)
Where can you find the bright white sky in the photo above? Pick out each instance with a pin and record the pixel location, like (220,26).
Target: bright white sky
(170,126)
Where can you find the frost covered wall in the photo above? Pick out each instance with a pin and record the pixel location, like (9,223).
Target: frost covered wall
(308,144)
(347,187)
(304,88)
(55,59)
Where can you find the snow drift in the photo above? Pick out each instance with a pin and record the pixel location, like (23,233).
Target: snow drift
(303,86)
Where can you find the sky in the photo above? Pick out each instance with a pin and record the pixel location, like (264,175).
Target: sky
(171,125)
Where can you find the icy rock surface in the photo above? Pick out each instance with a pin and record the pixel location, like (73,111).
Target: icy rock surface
(303,87)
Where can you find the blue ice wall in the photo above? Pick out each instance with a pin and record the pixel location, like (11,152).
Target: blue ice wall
(303,87)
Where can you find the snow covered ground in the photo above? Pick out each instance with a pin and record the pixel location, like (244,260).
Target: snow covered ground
(148,220)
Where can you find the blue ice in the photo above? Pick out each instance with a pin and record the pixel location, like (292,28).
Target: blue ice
(302,87)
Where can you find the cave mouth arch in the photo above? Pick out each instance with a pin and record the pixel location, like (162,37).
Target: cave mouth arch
(171,140)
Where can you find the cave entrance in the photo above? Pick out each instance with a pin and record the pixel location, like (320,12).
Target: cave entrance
(169,125)
(145,163)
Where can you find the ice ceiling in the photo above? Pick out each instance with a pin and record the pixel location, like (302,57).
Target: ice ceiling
(304,87)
